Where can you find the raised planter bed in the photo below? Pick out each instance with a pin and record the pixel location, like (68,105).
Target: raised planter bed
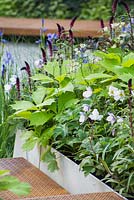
(31,27)
(68,176)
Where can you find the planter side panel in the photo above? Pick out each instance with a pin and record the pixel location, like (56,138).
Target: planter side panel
(68,176)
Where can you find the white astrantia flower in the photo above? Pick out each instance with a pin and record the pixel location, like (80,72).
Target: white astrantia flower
(88,93)
(111,118)
(82,118)
(95,115)
(7,88)
(86,107)
(13,79)
(38,63)
(119,119)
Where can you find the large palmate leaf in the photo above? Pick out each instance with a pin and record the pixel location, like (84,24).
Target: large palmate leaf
(128,60)
(39,95)
(42,77)
(40,117)
(23,105)
(14,185)
(50,158)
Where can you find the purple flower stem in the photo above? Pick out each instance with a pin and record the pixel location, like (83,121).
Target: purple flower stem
(130,106)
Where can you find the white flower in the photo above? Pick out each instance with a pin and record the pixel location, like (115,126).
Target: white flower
(112,90)
(82,118)
(119,95)
(111,118)
(13,79)
(119,119)
(116,93)
(115,25)
(132,92)
(95,115)
(7,88)
(38,63)
(86,107)
(87,93)
(82,46)
(105,29)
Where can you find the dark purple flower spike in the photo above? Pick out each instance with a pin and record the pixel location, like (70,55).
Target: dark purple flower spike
(130,106)
(59,30)
(27,69)
(111,21)
(50,48)
(44,56)
(114,6)
(125,6)
(72,22)
(102,23)
(18,87)
(71,37)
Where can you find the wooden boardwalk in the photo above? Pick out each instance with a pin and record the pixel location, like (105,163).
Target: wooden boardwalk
(31,27)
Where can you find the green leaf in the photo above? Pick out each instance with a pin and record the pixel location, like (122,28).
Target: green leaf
(40,117)
(14,185)
(42,77)
(98,76)
(46,102)
(66,100)
(50,158)
(23,114)
(128,60)
(23,105)
(4,172)
(30,144)
(129,180)
(39,95)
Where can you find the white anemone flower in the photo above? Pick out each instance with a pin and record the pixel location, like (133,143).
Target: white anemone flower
(88,93)
(13,79)
(95,115)
(112,90)
(119,119)
(111,118)
(119,95)
(82,118)
(7,88)
(86,107)
(38,63)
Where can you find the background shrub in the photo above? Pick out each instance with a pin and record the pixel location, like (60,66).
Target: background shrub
(63,9)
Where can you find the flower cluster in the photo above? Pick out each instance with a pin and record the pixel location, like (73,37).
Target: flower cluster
(116,93)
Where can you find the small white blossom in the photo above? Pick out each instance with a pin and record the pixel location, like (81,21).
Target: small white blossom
(86,107)
(95,115)
(115,25)
(7,88)
(38,63)
(132,92)
(111,118)
(13,79)
(112,90)
(82,118)
(119,95)
(82,46)
(119,119)
(105,29)
(116,93)
(88,93)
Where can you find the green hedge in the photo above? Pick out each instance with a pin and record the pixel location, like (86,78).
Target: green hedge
(63,9)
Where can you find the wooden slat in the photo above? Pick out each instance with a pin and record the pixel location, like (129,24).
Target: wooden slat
(31,27)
